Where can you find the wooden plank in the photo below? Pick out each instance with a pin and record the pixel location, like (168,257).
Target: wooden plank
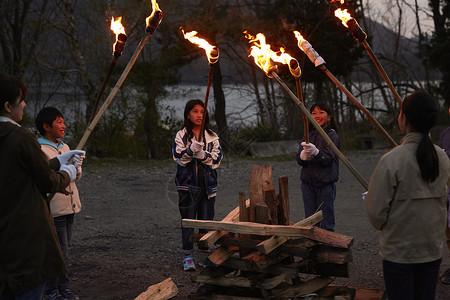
(251,228)
(224,281)
(260,179)
(302,289)
(327,254)
(244,216)
(272,243)
(271,283)
(283,200)
(271,200)
(160,291)
(221,254)
(212,236)
(332,238)
(261,213)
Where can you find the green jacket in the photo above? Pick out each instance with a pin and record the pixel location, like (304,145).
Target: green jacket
(29,248)
(410,213)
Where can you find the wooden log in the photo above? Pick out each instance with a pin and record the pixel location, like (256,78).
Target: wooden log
(261,213)
(221,254)
(302,289)
(271,200)
(212,236)
(331,238)
(271,283)
(251,228)
(272,243)
(309,266)
(260,179)
(284,213)
(224,281)
(161,291)
(327,254)
(253,262)
(244,216)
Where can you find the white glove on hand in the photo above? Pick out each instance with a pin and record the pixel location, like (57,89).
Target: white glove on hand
(65,157)
(71,170)
(196,146)
(305,156)
(310,148)
(199,154)
(77,162)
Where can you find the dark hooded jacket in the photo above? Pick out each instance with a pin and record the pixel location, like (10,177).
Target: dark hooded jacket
(29,248)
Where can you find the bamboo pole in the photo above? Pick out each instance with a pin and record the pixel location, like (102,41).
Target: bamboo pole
(320,130)
(205,106)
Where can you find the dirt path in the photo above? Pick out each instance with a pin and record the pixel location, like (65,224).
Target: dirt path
(127,236)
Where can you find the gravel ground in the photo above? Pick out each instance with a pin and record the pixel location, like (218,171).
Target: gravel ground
(127,236)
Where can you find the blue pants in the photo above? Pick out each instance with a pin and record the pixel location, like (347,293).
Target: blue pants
(37,293)
(194,204)
(411,281)
(320,198)
(64,226)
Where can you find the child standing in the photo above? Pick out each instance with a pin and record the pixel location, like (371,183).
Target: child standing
(406,201)
(64,206)
(444,143)
(320,167)
(196,177)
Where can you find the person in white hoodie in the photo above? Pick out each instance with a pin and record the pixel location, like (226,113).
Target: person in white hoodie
(50,124)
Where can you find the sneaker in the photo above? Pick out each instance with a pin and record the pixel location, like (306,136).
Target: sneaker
(445,278)
(52,295)
(188,263)
(67,295)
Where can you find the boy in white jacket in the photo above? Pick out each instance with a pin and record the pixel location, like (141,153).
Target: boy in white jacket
(50,124)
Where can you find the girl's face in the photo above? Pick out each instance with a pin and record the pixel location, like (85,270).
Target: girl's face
(196,115)
(321,116)
(16,109)
(56,131)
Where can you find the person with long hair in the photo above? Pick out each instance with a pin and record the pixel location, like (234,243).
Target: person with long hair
(406,202)
(196,178)
(320,167)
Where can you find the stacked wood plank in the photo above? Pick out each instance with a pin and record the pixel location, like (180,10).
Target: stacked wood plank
(260,254)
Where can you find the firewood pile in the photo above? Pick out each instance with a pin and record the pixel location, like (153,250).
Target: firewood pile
(260,254)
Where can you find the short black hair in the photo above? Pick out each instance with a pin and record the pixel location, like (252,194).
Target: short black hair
(46,116)
(10,89)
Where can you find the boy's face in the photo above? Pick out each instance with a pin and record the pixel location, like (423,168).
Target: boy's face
(56,131)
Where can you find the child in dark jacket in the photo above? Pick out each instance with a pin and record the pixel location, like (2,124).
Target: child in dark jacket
(196,177)
(320,168)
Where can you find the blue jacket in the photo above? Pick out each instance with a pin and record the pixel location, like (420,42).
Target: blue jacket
(187,169)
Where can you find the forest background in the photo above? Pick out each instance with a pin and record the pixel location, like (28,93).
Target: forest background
(62,49)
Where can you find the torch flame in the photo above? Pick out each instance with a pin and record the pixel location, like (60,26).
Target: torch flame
(154,19)
(343,15)
(212,52)
(117,28)
(341,1)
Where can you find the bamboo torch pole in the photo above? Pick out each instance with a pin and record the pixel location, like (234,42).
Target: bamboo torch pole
(152,23)
(318,61)
(296,72)
(320,130)
(361,37)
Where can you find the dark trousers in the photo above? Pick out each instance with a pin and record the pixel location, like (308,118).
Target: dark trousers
(320,198)
(64,226)
(411,281)
(194,204)
(35,293)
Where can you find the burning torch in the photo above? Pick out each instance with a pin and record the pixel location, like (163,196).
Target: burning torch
(359,35)
(318,61)
(212,53)
(264,58)
(152,23)
(121,39)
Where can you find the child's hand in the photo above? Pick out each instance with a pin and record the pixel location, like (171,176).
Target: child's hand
(65,157)
(199,154)
(305,156)
(196,146)
(310,148)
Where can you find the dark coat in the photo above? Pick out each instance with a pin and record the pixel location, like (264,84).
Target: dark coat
(29,248)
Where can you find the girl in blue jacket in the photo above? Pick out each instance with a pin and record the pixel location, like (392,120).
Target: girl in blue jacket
(196,177)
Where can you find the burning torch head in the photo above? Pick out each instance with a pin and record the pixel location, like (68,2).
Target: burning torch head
(213,56)
(153,21)
(120,44)
(294,68)
(356,30)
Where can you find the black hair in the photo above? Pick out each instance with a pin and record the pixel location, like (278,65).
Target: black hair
(325,107)
(188,123)
(46,116)
(421,110)
(10,89)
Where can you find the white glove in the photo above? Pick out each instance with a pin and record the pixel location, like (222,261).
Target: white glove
(363,196)
(65,157)
(305,156)
(310,148)
(77,162)
(196,146)
(71,170)
(199,154)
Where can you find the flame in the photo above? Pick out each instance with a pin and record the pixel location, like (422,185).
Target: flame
(343,15)
(299,37)
(117,28)
(341,1)
(155,9)
(211,51)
